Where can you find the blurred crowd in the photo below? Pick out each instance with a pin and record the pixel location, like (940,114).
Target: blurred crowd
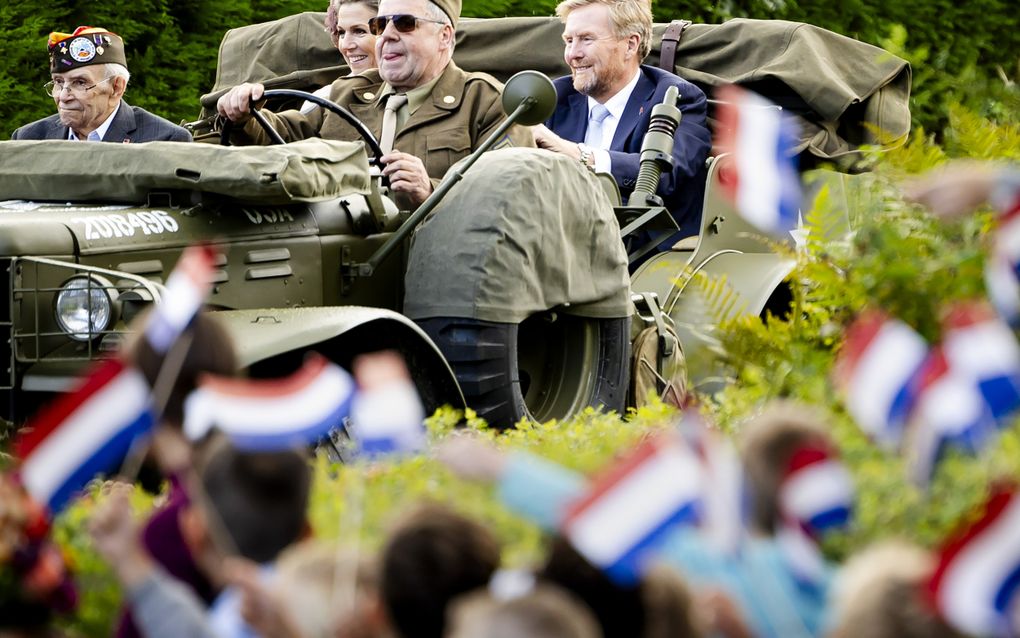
(230,551)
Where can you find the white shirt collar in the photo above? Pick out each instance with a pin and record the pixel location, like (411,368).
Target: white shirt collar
(99,132)
(618,103)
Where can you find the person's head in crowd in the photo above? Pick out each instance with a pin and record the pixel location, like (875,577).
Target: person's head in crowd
(432,556)
(604,43)
(620,611)
(210,351)
(767,444)
(330,591)
(415,40)
(248,504)
(881,593)
(88,77)
(669,605)
(547,611)
(347,25)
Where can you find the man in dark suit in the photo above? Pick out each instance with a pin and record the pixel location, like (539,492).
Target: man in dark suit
(89,74)
(604,106)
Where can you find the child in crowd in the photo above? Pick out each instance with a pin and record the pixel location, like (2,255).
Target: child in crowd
(433,555)
(546,611)
(209,350)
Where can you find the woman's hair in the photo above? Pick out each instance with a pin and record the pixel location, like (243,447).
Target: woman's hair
(333,16)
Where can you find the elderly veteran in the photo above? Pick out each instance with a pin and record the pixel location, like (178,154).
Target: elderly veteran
(89,75)
(428,113)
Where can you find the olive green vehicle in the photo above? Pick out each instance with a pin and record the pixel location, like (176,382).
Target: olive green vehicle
(503,293)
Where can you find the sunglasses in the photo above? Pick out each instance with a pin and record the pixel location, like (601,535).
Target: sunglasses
(402,22)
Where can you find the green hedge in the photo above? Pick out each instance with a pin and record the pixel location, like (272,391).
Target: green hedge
(961,51)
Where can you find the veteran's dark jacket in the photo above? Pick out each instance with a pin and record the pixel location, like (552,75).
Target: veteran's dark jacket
(463,110)
(130,124)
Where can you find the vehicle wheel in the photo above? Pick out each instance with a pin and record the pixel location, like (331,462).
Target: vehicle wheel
(550,366)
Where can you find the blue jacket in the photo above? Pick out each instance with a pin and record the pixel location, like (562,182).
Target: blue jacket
(683,188)
(131,124)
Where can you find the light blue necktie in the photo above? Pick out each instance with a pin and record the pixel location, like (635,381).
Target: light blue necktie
(593,137)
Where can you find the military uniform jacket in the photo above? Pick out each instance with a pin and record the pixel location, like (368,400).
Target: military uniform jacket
(463,110)
(130,124)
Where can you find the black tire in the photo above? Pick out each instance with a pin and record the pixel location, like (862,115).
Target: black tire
(550,366)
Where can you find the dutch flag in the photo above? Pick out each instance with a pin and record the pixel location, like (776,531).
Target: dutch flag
(765,185)
(629,510)
(1002,269)
(272,414)
(878,374)
(84,434)
(976,583)
(186,290)
(951,412)
(815,497)
(979,346)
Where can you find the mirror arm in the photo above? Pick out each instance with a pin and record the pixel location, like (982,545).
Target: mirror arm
(452,177)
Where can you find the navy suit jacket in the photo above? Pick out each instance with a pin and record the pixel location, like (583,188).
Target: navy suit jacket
(130,124)
(681,189)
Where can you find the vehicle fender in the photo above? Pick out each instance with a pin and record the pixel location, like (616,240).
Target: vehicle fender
(273,341)
(751,280)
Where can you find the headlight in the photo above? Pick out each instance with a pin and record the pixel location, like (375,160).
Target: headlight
(85,306)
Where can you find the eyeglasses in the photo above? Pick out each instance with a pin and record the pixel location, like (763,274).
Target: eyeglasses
(77,86)
(402,22)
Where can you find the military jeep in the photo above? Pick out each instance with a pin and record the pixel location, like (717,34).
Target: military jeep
(489,306)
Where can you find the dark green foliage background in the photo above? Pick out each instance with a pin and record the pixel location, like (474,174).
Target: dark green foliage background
(961,51)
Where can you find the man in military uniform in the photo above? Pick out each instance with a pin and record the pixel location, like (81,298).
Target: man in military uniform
(437,113)
(89,75)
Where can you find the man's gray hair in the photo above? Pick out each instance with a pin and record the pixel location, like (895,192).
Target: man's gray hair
(433,12)
(114,70)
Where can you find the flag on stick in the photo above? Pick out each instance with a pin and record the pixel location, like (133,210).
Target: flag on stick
(979,346)
(186,290)
(877,373)
(765,185)
(272,414)
(976,583)
(84,433)
(628,511)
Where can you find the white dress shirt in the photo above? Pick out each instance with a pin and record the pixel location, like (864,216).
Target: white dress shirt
(98,134)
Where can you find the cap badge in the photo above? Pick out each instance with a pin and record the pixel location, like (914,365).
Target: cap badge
(82,50)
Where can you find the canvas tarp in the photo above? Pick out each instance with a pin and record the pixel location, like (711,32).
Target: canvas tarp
(306,171)
(525,231)
(845,92)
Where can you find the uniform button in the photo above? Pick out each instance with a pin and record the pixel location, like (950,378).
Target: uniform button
(368,95)
(449,99)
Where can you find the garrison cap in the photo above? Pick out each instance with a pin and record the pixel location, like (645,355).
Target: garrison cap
(87,45)
(451,8)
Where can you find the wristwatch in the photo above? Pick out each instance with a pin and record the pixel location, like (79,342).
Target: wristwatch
(587,156)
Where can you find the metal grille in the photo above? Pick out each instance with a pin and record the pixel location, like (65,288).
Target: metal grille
(34,332)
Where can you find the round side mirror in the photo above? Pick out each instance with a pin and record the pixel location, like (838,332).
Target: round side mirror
(536,86)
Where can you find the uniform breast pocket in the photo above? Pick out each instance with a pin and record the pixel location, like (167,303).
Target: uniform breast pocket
(444,149)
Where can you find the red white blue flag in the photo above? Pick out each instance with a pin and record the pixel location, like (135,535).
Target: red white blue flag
(186,290)
(979,346)
(83,434)
(272,414)
(978,578)
(388,419)
(815,497)
(630,509)
(878,374)
(765,185)
(951,413)
(817,491)
(1002,270)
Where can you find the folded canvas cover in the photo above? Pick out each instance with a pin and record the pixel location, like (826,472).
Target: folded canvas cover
(306,171)
(845,92)
(524,231)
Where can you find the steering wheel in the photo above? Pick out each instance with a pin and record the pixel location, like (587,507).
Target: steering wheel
(329,105)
